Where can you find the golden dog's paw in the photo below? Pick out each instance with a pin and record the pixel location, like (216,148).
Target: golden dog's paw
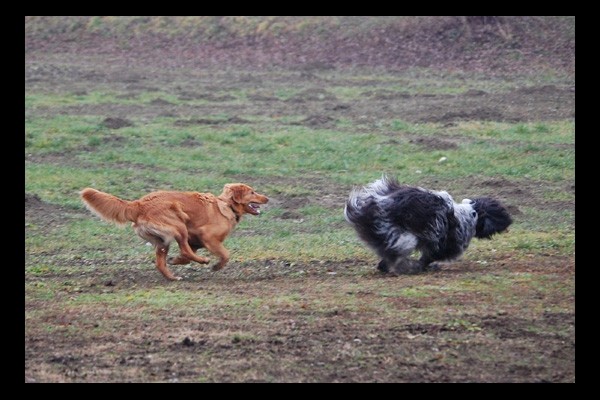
(176,261)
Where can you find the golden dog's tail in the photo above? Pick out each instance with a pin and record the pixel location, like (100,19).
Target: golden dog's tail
(108,207)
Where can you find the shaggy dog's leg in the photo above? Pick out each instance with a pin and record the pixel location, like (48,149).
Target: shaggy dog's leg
(427,263)
(403,265)
(388,262)
(407,266)
(432,267)
(399,264)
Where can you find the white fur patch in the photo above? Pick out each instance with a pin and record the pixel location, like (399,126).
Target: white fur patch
(405,243)
(375,190)
(158,237)
(446,196)
(467,218)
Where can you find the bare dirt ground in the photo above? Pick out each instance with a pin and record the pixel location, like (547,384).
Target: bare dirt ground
(298,340)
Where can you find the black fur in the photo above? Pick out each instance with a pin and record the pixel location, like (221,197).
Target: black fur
(492,217)
(395,220)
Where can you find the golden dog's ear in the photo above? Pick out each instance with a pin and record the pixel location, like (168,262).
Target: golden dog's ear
(235,191)
(225,209)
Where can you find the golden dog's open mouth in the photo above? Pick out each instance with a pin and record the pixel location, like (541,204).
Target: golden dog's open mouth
(254,208)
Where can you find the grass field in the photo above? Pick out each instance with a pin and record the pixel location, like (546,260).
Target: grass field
(301,300)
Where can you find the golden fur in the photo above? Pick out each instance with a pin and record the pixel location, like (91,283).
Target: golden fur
(192,219)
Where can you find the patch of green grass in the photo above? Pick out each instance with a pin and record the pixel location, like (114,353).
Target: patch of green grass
(462,324)
(514,161)
(557,132)
(41,270)
(94,141)
(399,125)
(558,241)
(48,100)
(408,292)
(285,242)
(61,133)
(241,337)
(285,93)
(39,291)
(346,93)
(562,242)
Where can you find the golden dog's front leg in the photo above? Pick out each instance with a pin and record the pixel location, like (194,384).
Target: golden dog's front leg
(218,250)
(181,259)
(188,253)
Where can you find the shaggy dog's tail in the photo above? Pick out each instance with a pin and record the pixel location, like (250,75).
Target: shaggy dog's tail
(108,207)
(362,213)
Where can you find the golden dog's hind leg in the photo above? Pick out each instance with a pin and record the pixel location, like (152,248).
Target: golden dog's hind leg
(161,263)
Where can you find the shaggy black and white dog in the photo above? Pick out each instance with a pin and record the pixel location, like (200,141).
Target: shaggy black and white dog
(395,220)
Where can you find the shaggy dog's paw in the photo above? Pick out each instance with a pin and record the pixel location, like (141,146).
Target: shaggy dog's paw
(408,267)
(432,267)
(383,267)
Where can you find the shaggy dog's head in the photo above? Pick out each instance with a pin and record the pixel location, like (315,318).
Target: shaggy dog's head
(492,217)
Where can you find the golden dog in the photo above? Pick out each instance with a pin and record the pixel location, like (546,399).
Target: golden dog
(192,219)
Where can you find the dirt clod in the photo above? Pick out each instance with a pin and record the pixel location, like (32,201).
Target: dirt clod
(116,123)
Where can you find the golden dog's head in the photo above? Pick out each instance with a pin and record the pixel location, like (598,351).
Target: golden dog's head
(243,199)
